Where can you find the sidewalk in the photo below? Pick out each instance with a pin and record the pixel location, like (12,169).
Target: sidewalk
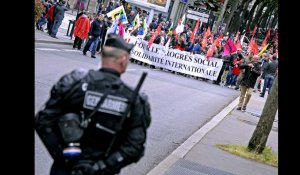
(43,37)
(206,159)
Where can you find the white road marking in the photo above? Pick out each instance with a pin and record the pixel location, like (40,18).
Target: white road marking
(71,50)
(51,49)
(186,146)
(48,49)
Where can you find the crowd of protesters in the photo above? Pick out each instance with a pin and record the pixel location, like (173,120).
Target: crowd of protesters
(236,72)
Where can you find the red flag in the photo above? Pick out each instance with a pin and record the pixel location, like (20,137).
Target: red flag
(237,36)
(204,42)
(263,44)
(254,31)
(250,46)
(231,45)
(121,30)
(154,35)
(238,45)
(208,32)
(211,37)
(192,38)
(211,51)
(218,40)
(254,48)
(249,31)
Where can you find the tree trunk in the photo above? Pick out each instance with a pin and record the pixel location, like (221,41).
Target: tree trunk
(221,15)
(234,6)
(250,16)
(236,21)
(258,14)
(261,133)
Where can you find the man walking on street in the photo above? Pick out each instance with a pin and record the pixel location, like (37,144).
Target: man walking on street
(95,33)
(252,71)
(261,78)
(58,16)
(270,72)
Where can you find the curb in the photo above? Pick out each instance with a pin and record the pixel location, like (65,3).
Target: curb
(54,42)
(185,147)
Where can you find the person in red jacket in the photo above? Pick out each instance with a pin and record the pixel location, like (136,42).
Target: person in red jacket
(49,17)
(81,30)
(235,70)
(181,44)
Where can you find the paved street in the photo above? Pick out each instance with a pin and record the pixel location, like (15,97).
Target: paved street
(180,105)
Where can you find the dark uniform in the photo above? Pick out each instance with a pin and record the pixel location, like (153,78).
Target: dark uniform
(78,92)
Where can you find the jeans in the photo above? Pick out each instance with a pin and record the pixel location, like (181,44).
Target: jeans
(56,25)
(268,81)
(93,40)
(42,22)
(229,76)
(233,80)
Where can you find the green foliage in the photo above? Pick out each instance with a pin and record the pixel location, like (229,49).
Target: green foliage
(38,10)
(267,156)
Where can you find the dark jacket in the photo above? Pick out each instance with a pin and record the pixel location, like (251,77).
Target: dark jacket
(107,25)
(130,18)
(271,68)
(97,28)
(263,68)
(109,8)
(157,40)
(153,25)
(59,12)
(68,95)
(250,74)
(227,61)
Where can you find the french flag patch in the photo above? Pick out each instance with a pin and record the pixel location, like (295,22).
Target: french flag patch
(72,152)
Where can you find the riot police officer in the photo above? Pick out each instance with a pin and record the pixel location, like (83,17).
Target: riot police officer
(84,124)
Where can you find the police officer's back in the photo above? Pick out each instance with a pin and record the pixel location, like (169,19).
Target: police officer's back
(75,97)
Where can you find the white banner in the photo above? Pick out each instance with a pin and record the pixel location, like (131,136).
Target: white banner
(176,60)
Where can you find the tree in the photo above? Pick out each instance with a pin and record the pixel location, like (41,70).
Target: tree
(250,16)
(258,14)
(234,5)
(261,133)
(236,21)
(38,10)
(265,17)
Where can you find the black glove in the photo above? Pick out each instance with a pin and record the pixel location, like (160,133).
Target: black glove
(88,167)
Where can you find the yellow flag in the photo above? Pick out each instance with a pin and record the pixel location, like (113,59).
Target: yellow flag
(263,50)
